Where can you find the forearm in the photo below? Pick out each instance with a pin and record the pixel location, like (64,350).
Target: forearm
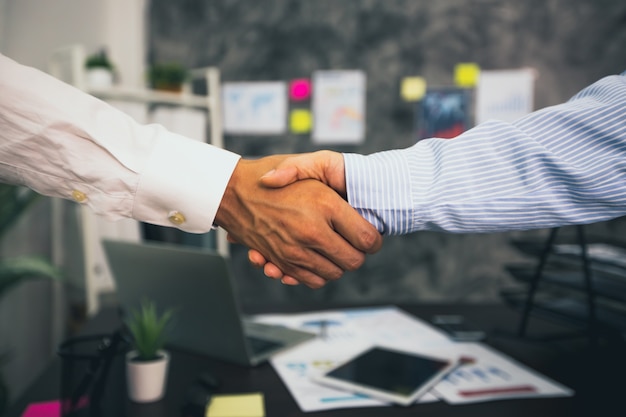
(58,140)
(562,165)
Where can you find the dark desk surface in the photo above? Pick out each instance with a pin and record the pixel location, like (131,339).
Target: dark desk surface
(598,376)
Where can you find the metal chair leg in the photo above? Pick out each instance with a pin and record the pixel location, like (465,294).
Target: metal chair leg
(534,283)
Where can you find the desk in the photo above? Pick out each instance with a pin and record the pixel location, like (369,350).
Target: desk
(598,378)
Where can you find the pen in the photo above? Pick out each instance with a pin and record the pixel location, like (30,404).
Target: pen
(519,389)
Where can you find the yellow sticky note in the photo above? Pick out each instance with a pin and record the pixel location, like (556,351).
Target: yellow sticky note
(236,405)
(466,74)
(413,88)
(300,121)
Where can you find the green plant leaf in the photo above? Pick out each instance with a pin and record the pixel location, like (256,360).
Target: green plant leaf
(99,59)
(14,201)
(149,330)
(14,270)
(167,75)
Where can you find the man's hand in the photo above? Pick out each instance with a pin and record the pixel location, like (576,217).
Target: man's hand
(325,166)
(305,229)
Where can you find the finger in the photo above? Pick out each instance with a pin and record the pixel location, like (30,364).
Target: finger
(256,259)
(337,250)
(346,252)
(325,270)
(231,238)
(272,271)
(287,280)
(356,230)
(280,176)
(312,165)
(312,281)
(309,261)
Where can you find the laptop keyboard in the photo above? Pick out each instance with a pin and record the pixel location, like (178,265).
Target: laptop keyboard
(260,346)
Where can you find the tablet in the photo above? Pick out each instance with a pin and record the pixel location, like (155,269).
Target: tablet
(388,375)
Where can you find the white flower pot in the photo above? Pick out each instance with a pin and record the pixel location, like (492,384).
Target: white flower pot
(146,380)
(99,78)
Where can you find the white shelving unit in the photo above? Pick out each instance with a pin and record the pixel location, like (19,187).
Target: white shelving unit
(67,64)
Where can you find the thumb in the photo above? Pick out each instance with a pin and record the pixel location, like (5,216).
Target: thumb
(324,166)
(280,176)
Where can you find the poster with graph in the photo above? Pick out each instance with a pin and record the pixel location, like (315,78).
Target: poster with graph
(339,107)
(254,108)
(505,95)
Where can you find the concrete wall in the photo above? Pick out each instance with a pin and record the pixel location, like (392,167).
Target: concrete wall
(30,30)
(571,43)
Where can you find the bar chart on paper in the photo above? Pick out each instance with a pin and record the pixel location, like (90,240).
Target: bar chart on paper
(492,376)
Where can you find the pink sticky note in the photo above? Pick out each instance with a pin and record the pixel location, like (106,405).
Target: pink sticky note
(43,409)
(50,408)
(300,89)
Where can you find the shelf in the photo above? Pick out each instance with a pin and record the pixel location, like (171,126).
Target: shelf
(604,285)
(152,96)
(569,309)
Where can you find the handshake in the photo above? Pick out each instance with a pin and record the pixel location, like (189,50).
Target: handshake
(293,214)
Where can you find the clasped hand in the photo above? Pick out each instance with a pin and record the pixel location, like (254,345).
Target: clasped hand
(291,211)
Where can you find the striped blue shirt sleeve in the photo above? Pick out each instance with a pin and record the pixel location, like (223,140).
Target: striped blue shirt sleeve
(558,166)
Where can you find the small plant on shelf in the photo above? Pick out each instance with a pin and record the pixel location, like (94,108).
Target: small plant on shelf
(99,59)
(167,76)
(99,70)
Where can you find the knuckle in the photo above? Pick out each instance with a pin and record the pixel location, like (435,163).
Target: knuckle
(293,254)
(356,262)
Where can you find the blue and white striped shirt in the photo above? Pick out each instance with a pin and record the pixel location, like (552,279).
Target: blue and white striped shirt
(557,166)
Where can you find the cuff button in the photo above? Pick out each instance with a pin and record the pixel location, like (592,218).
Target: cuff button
(79,196)
(176,217)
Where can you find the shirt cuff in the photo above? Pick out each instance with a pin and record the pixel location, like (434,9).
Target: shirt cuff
(183,183)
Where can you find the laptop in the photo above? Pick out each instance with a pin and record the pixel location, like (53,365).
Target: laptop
(198,285)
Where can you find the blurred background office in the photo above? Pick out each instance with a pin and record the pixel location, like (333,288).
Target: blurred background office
(567,43)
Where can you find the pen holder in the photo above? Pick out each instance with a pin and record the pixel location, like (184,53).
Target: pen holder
(91,368)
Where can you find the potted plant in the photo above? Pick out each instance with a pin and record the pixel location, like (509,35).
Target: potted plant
(147,363)
(14,202)
(167,76)
(99,70)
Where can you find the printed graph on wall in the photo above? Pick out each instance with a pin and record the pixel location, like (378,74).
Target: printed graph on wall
(339,107)
(505,95)
(255,108)
(443,113)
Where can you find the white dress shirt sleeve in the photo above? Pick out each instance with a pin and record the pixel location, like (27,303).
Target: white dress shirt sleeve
(558,166)
(62,142)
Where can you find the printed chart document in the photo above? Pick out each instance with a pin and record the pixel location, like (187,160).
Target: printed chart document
(505,95)
(339,107)
(254,108)
(342,333)
(494,376)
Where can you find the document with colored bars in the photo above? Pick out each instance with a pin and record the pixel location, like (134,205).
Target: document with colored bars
(342,333)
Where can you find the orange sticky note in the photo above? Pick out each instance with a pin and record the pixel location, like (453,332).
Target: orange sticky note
(466,74)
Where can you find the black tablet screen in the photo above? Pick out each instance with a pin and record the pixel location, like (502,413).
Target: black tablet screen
(395,372)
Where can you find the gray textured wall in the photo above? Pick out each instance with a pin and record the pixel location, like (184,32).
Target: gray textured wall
(570,42)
